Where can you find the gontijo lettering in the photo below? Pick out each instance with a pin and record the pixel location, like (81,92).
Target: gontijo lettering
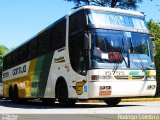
(6,74)
(19,70)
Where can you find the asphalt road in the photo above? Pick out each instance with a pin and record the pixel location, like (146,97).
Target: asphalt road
(35,110)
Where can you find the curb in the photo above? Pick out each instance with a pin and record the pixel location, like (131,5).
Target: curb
(129,100)
(140,99)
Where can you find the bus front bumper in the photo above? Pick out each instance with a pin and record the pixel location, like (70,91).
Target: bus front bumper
(122,88)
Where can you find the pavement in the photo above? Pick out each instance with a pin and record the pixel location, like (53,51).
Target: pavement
(140,99)
(130,100)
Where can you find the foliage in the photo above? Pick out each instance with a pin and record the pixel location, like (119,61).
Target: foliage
(125,4)
(3,50)
(155,31)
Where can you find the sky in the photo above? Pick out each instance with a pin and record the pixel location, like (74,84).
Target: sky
(20,20)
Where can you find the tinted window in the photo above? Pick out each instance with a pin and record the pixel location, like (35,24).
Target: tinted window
(78,55)
(58,35)
(0,77)
(33,49)
(77,22)
(44,43)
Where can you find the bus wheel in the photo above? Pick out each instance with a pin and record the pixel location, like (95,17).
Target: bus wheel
(112,101)
(62,95)
(16,95)
(11,93)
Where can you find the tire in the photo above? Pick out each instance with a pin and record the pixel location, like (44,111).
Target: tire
(112,101)
(11,93)
(16,95)
(62,95)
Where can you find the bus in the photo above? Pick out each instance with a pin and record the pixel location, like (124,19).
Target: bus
(93,53)
(1,87)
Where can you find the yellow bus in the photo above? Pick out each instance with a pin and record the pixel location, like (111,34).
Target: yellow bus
(92,53)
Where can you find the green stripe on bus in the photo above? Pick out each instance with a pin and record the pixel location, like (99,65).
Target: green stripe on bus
(136,73)
(40,79)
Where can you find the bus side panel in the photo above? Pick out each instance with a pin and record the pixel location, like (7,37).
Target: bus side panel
(22,80)
(26,92)
(57,69)
(33,84)
(40,79)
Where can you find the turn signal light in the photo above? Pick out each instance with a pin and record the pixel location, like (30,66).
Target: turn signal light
(94,77)
(100,77)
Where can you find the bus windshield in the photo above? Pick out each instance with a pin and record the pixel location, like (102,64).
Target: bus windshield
(125,49)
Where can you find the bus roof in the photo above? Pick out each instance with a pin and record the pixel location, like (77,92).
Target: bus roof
(108,9)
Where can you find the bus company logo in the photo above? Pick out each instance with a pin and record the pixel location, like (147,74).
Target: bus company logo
(19,70)
(129,77)
(5,75)
(15,72)
(79,87)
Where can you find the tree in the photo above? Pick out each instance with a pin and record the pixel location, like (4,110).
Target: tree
(3,50)
(155,31)
(125,4)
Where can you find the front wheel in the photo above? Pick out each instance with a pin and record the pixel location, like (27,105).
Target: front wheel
(62,95)
(112,101)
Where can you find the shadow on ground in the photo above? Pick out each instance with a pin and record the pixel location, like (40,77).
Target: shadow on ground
(37,104)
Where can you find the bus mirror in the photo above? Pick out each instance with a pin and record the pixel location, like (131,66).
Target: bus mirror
(86,41)
(153,45)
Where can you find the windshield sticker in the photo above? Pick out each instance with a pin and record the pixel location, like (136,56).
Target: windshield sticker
(128,34)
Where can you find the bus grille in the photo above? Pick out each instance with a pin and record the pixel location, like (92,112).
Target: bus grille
(129,77)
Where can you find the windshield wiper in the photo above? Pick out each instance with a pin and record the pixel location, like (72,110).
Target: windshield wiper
(128,57)
(131,48)
(121,52)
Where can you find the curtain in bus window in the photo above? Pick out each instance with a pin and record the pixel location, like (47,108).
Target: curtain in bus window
(138,23)
(116,20)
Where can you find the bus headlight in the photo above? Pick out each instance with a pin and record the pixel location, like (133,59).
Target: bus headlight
(100,77)
(151,87)
(151,77)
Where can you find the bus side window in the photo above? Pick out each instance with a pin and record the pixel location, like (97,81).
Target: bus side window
(24,53)
(8,63)
(44,44)
(77,54)
(15,58)
(32,50)
(53,40)
(11,60)
(61,34)
(58,35)
(4,63)
(77,22)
